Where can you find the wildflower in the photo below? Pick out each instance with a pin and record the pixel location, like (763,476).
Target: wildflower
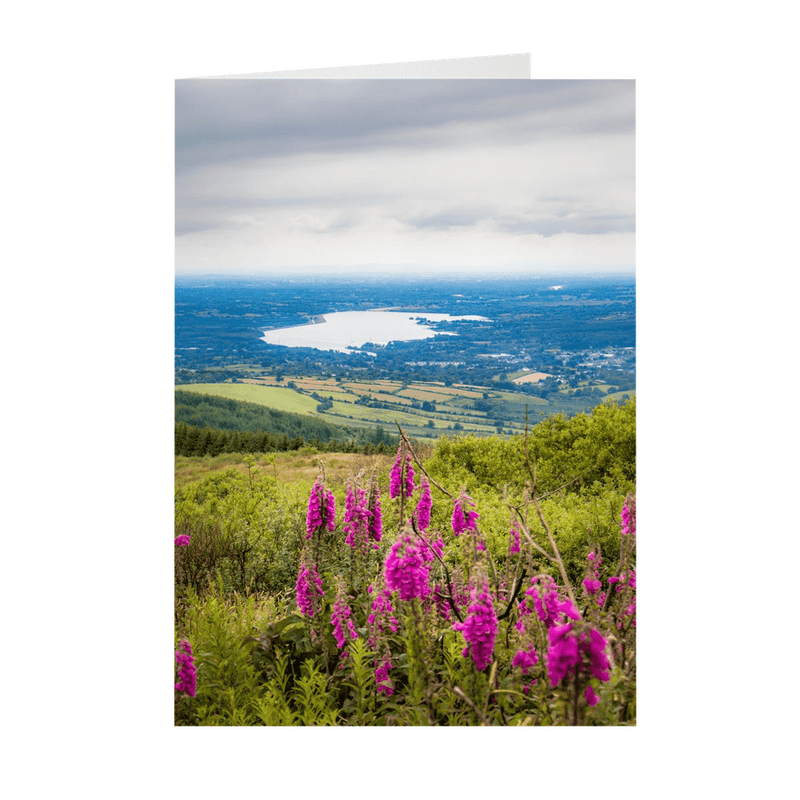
(568,652)
(376,518)
(405,569)
(396,474)
(526,659)
(341,614)
(461,522)
(479,629)
(424,506)
(591,697)
(548,605)
(563,654)
(382,607)
(308,589)
(321,510)
(182,540)
(629,516)
(437,547)
(187,672)
(382,679)
(591,585)
(401,477)
(513,546)
(409,476)
(594,646)
(356,517)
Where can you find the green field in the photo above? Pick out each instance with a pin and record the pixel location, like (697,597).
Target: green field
(453,404)
(272,396)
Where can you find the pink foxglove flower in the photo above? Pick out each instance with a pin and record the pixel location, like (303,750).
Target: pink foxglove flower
(314,513)
(356,517)
(513,546)
(479,629)
(547,604)
(405,569)
(401,477)
(526,660)
(381,616)
(321,510)
(187,672)
(591,697)
(308,590)
(409,476)
(563,655)
(183,540)
(437,545)
(463,522)
(382,680)
(396,474)
(568,652)
(376,517)
(424,506)
(592,583)
(629,516)
(330,511)
(343,628)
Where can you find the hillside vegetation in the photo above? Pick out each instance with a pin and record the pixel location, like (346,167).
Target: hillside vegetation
(479,580)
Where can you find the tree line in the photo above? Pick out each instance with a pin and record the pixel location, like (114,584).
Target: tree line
(191,440)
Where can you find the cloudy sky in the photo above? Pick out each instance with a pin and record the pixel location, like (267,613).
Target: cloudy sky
(492,176)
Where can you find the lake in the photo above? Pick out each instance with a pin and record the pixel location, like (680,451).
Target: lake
(345,331)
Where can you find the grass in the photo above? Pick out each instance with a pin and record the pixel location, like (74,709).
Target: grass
(278,397)
(285,467)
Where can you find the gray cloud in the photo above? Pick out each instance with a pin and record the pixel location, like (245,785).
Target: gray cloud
(242,119)
(281,174)
(588,224)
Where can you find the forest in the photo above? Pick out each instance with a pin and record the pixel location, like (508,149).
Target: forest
(473,581)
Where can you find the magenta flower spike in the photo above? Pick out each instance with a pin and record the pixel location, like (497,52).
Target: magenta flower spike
(382,680)
(409,476)
(563,655)
(376,517)
(526,660)
(591,697)
(629,516)
(569,652)
(513,546)
(343,628)
(308,590)
(424,506)
(457,521)
(463,522)
(547,604)
(396,474)
(183,540)
(187,672)
(321,510)
(479,629)
(405,569)
(314,513)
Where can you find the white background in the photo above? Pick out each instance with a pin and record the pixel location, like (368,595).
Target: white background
(88,332)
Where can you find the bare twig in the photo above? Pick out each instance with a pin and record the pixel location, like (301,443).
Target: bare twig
(517,586)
